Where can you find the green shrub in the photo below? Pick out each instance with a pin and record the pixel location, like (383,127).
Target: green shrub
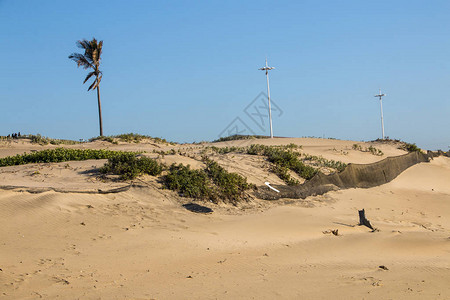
(128,166)
(41,140)
(63,142)
(357,147)
(303,170)
(168,152)
(57,155)
(231,186)
(38,139)
(283,174)
(239,137)
(223,150)
(293,146)
(187,182)
(375,151)
(109,139)
(410,147)
(283,156)
(212,183)
(130,138)
(256,149)
(371,149)
(323,162)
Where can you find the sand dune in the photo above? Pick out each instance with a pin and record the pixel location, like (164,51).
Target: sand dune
(142,244)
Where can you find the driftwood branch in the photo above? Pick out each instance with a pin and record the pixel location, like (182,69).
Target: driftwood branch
(363,220)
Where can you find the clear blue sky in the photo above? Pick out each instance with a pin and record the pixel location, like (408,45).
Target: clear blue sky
(184,70)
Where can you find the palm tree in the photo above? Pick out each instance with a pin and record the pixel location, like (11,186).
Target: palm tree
(91,60)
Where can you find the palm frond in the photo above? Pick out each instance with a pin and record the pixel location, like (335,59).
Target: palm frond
(87,46)
(97,82)
(89,76)
(99,50)
(81,60)
(84,44)
(92,86)
(88,56)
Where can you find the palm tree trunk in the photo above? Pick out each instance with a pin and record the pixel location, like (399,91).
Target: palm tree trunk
(99,110)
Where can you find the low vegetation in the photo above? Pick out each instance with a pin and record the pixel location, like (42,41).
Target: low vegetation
(284,157)
(42,140)
(212,183)
(130,138)
(188,182)
(323,162)
(239,137)
(223,150)
(230,186)
(38,139)
(371,149)
(129,166)
(57,155)
(168,152)
(410,147)
(283,174)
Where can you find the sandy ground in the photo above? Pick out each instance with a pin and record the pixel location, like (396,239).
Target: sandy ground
(142,244)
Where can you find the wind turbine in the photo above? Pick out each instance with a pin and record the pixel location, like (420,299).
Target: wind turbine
(267,69)
(380,95)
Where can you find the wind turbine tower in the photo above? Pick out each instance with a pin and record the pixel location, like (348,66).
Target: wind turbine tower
(380,95)
(267,69)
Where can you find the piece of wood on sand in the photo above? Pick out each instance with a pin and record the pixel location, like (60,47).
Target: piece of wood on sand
(363,220)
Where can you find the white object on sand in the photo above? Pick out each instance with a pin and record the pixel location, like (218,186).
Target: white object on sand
(272,188)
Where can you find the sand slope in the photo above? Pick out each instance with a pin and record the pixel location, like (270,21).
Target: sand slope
(142,244)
